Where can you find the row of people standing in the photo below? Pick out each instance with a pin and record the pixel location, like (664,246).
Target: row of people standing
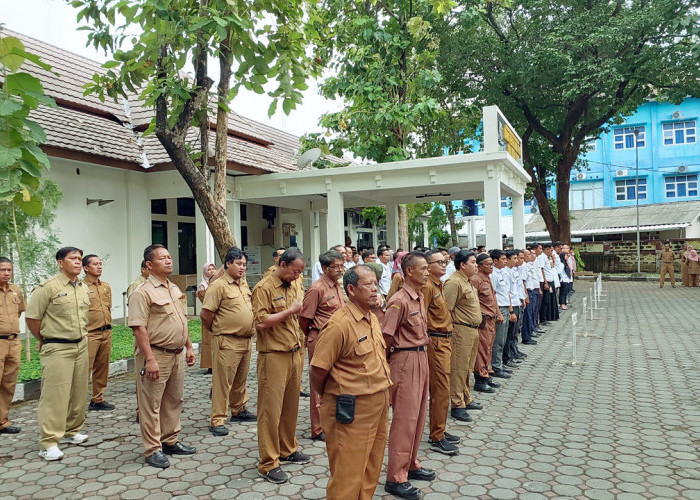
(690,266)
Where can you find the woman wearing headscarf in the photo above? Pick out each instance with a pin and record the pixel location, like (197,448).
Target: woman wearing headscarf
(693,267)
(396,275)
(208,271)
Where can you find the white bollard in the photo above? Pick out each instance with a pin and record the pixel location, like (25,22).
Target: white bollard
(574,320)
(583,316)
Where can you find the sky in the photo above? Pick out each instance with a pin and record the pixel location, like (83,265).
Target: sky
(54,22)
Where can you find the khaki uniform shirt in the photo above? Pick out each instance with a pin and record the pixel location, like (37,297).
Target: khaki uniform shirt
(667,257)
(405,321)
(62,307)
(270,270)
(396,285)
(352,350)
(100,313)
(160,309)
(486,294)
(463,300)
(321,300)
(230,302)
(138,281)
(439,319)
(11,307)
(270,297)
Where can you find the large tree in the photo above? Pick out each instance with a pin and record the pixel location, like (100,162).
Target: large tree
(563,71)
(154,42)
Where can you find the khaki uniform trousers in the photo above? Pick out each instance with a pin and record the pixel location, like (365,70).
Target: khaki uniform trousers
(439,360)
(316,428)
(487,335)
(99,350)
(356,450)
(205,349)
(160,401)
(667,267)
(465,346)
(684,273)
(279,376)
(10,358)
(64,382)
(231,360)
(409,400)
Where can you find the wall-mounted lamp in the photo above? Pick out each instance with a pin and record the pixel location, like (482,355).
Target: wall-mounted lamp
(100,202)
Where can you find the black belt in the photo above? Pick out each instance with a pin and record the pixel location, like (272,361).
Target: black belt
(165,349)
(11,336)
(442,335)
(102,328)
(294,349)
(466,324)
(62,341)
(419,348)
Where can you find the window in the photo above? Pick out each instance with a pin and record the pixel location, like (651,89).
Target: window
(624,137)
(591,145)
(679,133)
(159,232)
(185,207)
(626,189)
(681,186)
(159,207)
(504,202)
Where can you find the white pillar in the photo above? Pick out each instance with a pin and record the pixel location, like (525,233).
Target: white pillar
(426,238)
(335,232)
(492,198)
(233,212)
(518,221)
(392,225)
(311,243)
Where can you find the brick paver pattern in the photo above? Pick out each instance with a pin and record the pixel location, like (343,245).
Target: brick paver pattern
(625,423)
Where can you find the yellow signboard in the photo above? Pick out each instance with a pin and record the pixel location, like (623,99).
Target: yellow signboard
(508,137)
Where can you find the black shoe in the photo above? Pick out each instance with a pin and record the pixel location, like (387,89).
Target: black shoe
(501,374)
(319,437)
(513,364)
(493,383)
(452,438)
(443,446)
(219,430)
(402,490)
(275,475)
(11,429)
(207,371)
(473,406)
(508,370)
(101,406)
(244,416)
(484,387)
(158,460)
(535,335)
(520,355)
(460,414)
(421,474)
(296,458)
(530,342)
(178,449)
(304,394)
(539,331)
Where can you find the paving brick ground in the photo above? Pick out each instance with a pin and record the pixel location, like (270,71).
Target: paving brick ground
(623,424)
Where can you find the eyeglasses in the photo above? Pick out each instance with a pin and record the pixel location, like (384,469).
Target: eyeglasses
(338,268)
(439,262)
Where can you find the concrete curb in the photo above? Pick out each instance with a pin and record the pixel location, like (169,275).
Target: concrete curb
(30,390)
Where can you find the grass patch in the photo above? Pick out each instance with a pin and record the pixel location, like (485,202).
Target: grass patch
(122,348)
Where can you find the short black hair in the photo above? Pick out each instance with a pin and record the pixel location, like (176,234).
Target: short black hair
(234,253)
(274,253)
(86,259)
(511,253)
(149,250)
(431,253)
(63,252)
(481,248)
(143,265)
(292,254)
(410,260)
(495,254)
(442,249)
(462,256)
(557,244)
(5,260)
(366,254)
(327,258)
(351,276)
(546,245)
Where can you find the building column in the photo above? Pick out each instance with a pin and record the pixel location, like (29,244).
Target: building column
(426,238)
(392,225)
(492,198)
(310,232)
(233,211)
(335,232)
(518,201)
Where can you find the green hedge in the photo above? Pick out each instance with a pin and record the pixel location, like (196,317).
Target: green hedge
(122,348)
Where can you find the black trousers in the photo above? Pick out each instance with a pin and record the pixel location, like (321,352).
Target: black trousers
(510,350)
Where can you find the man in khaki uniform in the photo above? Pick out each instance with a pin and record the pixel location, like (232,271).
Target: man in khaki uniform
(141,279)
(277,301)
(439,354)
(11,307)
(276,257)
(57,316)
(667,257)
(158,319)
(463,302)
(99,331)
(350,359)
(321,300)
(227,313)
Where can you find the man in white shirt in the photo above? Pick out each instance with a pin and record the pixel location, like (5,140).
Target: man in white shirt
(549,309)
(501,279)
(349,262)
(317,271)
(385,261)
(450,270)
(534,293)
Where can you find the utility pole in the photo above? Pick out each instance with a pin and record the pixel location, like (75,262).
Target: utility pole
(636,195)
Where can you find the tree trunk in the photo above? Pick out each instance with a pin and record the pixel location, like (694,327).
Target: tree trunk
(222,122)
(403,227)
(564,167)
(449,210)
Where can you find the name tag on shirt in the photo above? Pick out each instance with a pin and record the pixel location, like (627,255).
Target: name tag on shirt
(414,313)
(437,295)
(278,298)
(362,339)
(330,297)
(61,295)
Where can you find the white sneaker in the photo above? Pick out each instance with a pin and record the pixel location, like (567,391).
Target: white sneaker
(78,438)
(52,453)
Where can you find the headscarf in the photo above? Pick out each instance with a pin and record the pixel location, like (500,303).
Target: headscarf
(204,284)
(693,255)
(397,263)
(376,267)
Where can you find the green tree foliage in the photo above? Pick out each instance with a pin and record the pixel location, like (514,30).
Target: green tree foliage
(563,72)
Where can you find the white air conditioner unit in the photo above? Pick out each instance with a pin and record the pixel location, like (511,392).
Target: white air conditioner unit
(621,172)
(676,115)
(682,169)
(581,176)
(533,209)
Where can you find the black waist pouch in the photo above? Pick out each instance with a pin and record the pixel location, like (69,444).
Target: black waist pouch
(345,408)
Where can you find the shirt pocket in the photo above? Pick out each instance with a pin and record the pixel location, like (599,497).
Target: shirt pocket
(363,352)
(162,307)
(414,320)
(61,305)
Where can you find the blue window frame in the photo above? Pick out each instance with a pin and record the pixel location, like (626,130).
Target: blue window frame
(681,186)
(679,133)
(624,137)
(625,189)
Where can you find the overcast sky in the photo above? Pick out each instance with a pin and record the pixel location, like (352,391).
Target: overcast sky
(53,21)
